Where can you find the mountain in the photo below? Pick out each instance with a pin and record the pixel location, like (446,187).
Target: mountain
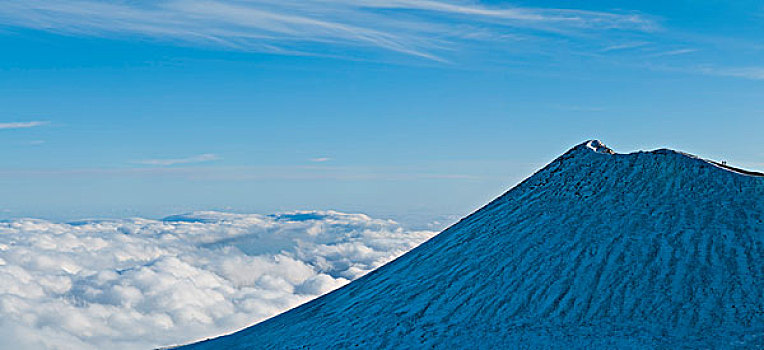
(600,250)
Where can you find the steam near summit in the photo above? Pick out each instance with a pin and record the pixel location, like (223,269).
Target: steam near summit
(601,250)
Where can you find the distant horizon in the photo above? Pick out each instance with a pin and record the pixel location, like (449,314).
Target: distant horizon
(415,220)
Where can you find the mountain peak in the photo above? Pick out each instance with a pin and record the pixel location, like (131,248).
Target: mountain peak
(597,146)
(597,250)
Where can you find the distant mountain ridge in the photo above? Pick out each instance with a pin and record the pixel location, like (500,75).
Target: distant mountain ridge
(602,250)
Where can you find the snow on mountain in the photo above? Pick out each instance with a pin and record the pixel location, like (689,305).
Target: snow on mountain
(138,283)
(597,250)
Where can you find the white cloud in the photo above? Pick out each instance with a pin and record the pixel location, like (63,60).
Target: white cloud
(320,159)
(625,46)
(574,108)
(22,125)
(173,161)
(423,28)
(752,73)
(139,284)
(673,52)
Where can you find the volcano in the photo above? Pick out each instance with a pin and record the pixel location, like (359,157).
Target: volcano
(601,250)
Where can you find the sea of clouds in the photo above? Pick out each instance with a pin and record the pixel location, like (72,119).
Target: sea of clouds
(140,284)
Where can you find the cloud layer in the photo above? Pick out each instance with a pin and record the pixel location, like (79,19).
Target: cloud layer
(137,284)
(423,28)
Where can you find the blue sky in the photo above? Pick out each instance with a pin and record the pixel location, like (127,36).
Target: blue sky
(410,109)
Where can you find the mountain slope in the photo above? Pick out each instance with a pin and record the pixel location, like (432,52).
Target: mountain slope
(649,249)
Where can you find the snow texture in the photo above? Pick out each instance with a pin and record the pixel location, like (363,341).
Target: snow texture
(138,284)
(596,250)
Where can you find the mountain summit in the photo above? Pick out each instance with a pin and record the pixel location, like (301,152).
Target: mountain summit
(596,250)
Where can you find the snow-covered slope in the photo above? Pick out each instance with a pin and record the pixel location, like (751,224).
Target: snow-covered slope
(596,250)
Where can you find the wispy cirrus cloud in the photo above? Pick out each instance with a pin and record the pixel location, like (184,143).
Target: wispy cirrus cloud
(673,52)
(625,46)
(320,159)
(422,28)
(22,125)
(752,73)
(207,157)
